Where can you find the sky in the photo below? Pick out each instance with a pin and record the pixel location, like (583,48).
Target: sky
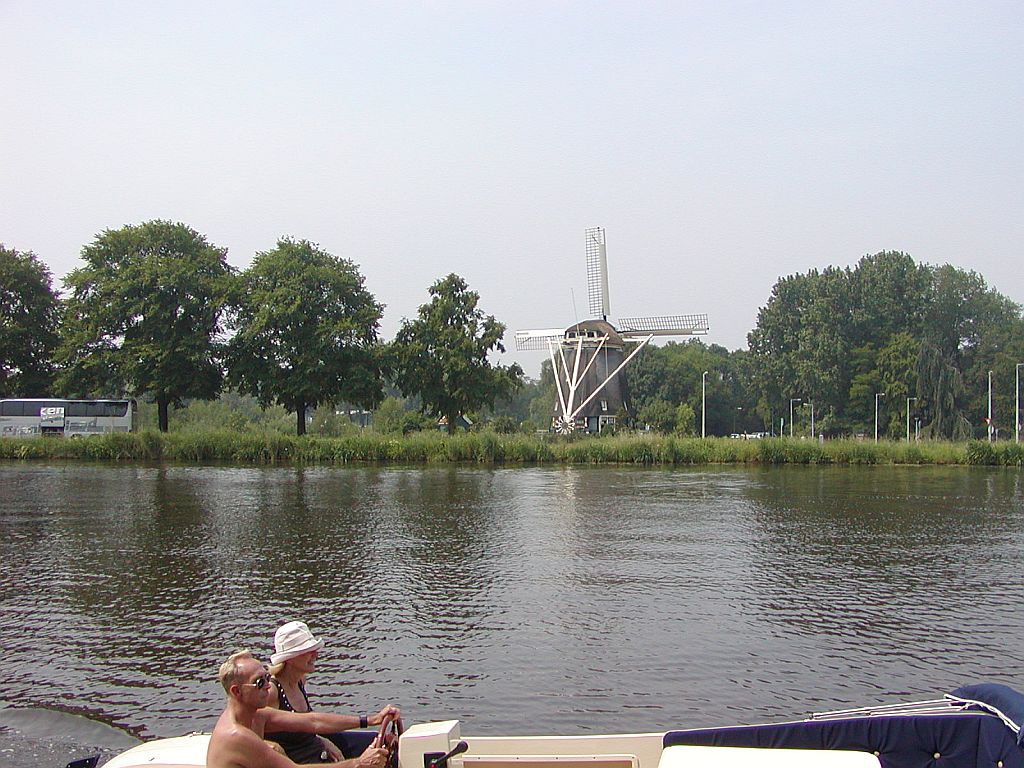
(720,144)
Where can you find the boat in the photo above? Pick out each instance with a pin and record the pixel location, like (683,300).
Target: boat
(975,726)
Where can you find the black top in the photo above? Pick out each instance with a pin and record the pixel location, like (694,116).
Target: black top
(300,747)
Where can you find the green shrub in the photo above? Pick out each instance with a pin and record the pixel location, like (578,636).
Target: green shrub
(981,453)
(504,425)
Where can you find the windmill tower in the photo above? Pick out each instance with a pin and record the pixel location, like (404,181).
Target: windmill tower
(588,357)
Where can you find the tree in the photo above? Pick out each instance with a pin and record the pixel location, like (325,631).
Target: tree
(777,342)
(29,316)
(686,420)
(144,316)
(968,327)
(518,405)
(888,325)
(940,386)
(442,355)
(674,374)
(542,404)
(889,295)
(659,415)
(896,363)
(389,416)
(306,332)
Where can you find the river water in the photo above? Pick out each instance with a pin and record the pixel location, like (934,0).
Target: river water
(521,600)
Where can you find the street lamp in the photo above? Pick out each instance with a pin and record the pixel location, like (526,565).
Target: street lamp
(990,406)
(877,395)
(1016,412)
(908,416)
(703,403)
(791,401)
(734,416)
(812,420)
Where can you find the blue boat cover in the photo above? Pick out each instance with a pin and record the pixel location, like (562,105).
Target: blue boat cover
(998,699)
(961,740)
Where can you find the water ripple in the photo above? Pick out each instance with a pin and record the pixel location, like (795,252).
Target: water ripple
(522,600)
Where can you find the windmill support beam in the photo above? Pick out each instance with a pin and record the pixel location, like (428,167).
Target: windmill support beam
(567,400)
(640,345)
(558,378)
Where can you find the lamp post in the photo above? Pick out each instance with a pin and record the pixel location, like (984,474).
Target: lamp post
(877,395)
(812,420)
(990,406)
(734,416)
(908,416)
(1016,402)
(703,403)
(791,401)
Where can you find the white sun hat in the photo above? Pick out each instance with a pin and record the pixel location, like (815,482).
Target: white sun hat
(293,639)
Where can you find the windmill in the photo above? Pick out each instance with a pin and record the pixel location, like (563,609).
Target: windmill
(588,357)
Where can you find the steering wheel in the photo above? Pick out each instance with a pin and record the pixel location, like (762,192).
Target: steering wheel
(388,736)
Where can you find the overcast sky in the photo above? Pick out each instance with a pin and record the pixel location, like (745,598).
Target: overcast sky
(720,144)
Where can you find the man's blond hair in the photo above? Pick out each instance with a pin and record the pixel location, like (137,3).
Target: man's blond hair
(230,672)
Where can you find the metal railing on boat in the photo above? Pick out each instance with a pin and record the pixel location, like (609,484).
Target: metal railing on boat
(929,707)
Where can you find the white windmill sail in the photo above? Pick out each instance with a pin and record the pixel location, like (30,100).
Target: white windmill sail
(538,339)
(597,273)
(668,325)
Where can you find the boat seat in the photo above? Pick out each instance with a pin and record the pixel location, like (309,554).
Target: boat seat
(753,757)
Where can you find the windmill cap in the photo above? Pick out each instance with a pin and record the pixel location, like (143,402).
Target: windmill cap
(597,327)
(293,639)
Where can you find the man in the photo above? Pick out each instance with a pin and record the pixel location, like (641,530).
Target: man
(237,739)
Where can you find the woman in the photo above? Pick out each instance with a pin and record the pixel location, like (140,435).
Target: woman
(294,658)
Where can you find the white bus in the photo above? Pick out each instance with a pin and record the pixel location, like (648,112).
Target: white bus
(32,417)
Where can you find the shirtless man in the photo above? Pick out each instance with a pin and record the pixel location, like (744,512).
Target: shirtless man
(237,739)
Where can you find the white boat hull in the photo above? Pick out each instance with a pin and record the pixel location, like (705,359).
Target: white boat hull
(615,751)
(974,727)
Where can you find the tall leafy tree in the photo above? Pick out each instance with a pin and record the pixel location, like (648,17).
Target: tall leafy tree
(306,331)
(888,295)
(941,387)
(658,414)
(144,316)
(517,405)
(29,317)
(442,355)
(896,363)
(542,405)
(777,342)
(967,328)
(888,325)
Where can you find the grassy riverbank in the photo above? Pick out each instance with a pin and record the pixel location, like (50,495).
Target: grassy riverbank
(491,448)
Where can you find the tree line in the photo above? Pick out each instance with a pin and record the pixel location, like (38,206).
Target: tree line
(156,311)
(916,340)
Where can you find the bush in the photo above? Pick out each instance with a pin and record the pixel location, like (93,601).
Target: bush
(504,425)
(981,453)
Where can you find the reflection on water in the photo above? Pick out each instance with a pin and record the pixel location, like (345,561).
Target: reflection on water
(520,600)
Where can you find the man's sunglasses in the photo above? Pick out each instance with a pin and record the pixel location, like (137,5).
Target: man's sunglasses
(260,683)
